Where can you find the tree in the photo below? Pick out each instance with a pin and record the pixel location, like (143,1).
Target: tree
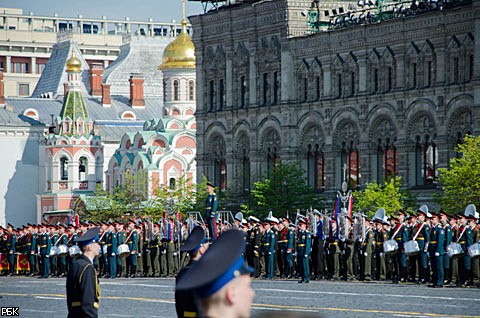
(286,191)
(387,195)
(461,180)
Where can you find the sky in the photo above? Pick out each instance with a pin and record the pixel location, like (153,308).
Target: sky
(158,10)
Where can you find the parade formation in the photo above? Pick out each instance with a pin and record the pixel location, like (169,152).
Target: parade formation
(422,247)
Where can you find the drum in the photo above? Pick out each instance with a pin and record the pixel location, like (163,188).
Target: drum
(123,250)
(411,248)
(454,250)
(390,246)
(62,250)
(104,249)
(74,250)
(53,251)
(474,250)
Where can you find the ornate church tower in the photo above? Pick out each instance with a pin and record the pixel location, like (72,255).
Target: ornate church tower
(73,154)
(178,66)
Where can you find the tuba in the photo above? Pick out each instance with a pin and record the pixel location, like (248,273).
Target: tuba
(471,210)
(380,215)
(359,227)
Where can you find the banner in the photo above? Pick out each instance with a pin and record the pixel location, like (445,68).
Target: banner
(4,262)
(22,263)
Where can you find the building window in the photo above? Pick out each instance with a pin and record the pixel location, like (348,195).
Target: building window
(64,168)
(82,169)
(273,159)
(375,80)
(339,85)
(172,184)
(413,75)
(455,70)
(220,173)
(265,90)
(350,159)
(305,90)
(243,91)
(390,79)
(164,90)
(470,67)
(276,88)
(387,161)
(315,168)
(428,74)
(23,90)
(426,160)
(40,68)
(352,83)
(221,97)
(246,173)
(191,90)
(317,88)
(211,100)
(176,90)
(18,67)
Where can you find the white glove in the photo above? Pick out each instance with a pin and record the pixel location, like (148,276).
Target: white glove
(381,254)
(269,253)
(113,254)
(306,255)
(47,256)
(365,254)
(174,253)
(437,254)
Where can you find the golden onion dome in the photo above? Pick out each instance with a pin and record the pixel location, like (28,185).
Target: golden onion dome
(74,65)
(180,53)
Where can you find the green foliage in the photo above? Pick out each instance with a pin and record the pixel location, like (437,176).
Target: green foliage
(131,199)
(461,180)
(387,195)
(286,191)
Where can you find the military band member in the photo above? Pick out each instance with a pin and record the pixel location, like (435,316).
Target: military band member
(333,251)
(11,248)
(53,258)
(62,260)
(31,249)
(448,240)
(421,230)
(155,250)
(290,250)
(45,246)
(211,206)
(223,290)
(112,245)
(436,250)
(185,299)
(367,252)
(269,248)
(282,236)
(83,290)
(121,266)
(304,245)
(254,249)
(132,242)
(318,247)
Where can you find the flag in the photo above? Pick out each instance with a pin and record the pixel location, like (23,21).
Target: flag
(350,205)
(4,266)
(336,212)
(22,263)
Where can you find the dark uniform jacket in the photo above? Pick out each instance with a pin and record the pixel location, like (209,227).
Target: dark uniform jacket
(83,290)
(185,299)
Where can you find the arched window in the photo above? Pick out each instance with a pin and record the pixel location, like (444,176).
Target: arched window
(315,167)
(191,90)
(273,159)
(246,172)
(426,161)
(387,160)
(172,183)
(176,90)
(350,159)
(82,169)
(64,168)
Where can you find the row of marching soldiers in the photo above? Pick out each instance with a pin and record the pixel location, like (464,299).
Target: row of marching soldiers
(420,247)
(128,249)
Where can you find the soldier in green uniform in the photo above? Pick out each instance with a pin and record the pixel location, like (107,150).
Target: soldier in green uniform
(72,238)
(290,250)
(154,246)
(83,290)
(269,248)
(436,250)
(112,244)
(120,260)
(132,242)
(103,257)
(448,240)
(53,258)
(11,248)
(31,248)
(423,230)
(367,252)
(45,246)
(465,240)
(61,260)
(304,246)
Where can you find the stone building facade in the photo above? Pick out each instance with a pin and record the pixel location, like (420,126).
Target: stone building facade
(366,101)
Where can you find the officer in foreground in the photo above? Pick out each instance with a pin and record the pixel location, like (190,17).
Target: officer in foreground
(221,279)
(83,290)
(195,247)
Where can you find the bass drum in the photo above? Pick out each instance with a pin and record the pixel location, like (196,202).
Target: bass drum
(411,248)
(53,251)
(74,251)
(123,250)
(474,250)
(390,246)
(62,250)
(454,250)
